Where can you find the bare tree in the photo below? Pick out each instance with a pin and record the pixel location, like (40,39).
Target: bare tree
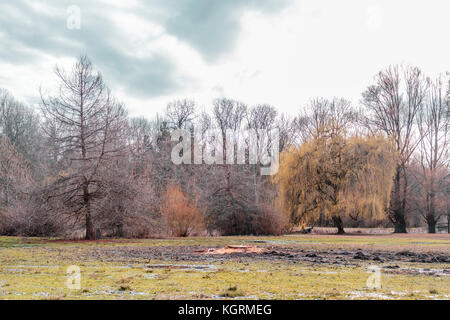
(230,200)
(228,115)
(261,119)
(127,207)
(180,113)
(288,132)
(90,124)
(336,116)
(392,104)
(434,128)
(15,173)
(20,124)
(141,135)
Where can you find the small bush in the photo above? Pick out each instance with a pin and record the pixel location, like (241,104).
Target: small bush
(181,216)
(232,292)
(270,221)
(230,213)
(124,288)
(28,220)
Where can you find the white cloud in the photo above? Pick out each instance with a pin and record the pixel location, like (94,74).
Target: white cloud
(310,48)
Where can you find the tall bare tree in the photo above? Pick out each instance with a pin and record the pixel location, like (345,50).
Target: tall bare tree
(261,119)
(228,114)
(90,126)
(392,104)
(336,116)
(288,132)
(434,127)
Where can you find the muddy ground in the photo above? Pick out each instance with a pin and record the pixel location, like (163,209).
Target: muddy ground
(314,266)
(388,259)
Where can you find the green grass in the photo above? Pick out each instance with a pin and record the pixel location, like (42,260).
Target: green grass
(407,240)
(35,268)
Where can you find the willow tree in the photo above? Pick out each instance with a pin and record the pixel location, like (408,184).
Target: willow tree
(336,177)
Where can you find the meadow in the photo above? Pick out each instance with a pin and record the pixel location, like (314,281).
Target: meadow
(411,266)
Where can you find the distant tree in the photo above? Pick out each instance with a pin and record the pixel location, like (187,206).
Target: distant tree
(447,193)
(392,104)
(15,174)
(287,131)
(141,136)
(228,115)
(21,125)
(180,114)
(16,185)
(128,206)
(237,196)
(428,207)
(336,177)
(336,116)
(90,126)
(262,117)
(262,120)
(434,128)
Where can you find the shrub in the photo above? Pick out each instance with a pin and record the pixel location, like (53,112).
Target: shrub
(181,216)
(230,213)
(28,220)
(270,221)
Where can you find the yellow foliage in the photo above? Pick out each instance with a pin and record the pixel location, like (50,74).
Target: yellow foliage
(336,176)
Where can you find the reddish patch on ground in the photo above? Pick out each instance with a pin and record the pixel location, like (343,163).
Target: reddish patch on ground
(233,249)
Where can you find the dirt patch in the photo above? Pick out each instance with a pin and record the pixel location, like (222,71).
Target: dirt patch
(311,254)
(232,249)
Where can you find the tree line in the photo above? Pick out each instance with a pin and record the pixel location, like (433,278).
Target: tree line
(81,167)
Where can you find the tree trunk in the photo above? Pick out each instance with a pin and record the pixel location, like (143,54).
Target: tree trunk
(431,220)
(399,223)
(448,224)
(90,232)
(431,224)
(397,215)
(338,224)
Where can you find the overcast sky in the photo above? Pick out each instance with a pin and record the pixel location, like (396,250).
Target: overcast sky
(281,52)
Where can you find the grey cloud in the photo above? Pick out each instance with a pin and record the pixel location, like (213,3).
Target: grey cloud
(145,77)
(209,26)
(28,32)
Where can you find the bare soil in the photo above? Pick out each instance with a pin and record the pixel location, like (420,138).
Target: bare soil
(293,254)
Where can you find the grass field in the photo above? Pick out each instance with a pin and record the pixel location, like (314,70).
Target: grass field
(413,266)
